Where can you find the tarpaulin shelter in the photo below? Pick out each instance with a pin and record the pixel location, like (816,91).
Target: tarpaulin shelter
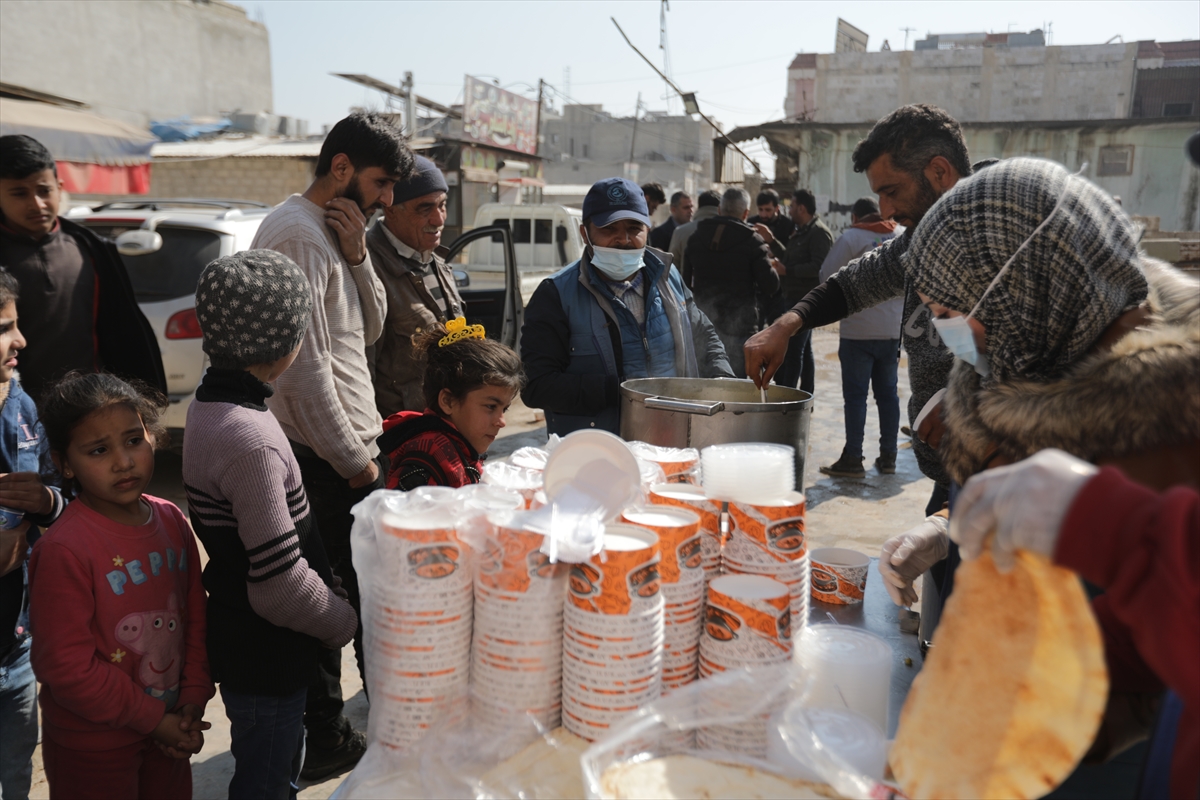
(94,155)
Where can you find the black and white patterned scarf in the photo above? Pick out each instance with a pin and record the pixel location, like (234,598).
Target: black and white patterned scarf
(1070,283)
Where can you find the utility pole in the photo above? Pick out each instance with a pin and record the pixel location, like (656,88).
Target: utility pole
(537,139)
(410,106)
(907,31)
(636,112)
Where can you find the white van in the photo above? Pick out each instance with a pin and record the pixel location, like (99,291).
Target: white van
(545,238)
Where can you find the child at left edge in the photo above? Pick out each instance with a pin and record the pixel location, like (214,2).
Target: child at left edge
(118,605)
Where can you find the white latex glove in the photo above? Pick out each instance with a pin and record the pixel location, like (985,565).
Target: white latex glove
(1024,503)
(907,556)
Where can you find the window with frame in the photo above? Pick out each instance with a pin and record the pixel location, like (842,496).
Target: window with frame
(542,232)
(1177,109)
(1116,160)
(521,231)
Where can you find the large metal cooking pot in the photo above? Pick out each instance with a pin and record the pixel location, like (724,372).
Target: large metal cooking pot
(697,412)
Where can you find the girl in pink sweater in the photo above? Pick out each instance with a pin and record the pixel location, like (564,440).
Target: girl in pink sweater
(118,606)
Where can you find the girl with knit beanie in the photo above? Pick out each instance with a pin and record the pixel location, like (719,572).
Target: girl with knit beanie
(470,381)
(1069,337)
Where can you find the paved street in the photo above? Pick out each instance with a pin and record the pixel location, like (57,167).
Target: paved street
(859,514)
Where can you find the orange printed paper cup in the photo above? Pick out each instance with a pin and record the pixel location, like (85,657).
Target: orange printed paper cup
(754,520)
(512,559)
(839,575)
(748,616)
(623,577)
(678,532)
(692,498)
(426,552)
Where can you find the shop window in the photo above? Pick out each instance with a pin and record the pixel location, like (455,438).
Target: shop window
(520,231)
(1177,109)
(541,232)
(1116,160)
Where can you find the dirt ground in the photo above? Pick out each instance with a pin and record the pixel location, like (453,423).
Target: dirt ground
(855,513)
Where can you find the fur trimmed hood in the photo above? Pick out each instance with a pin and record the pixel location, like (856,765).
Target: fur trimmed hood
(1141,395)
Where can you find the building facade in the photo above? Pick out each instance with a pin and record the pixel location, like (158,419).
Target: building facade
(139,61)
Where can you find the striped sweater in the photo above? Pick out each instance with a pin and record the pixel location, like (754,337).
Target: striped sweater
(270,606)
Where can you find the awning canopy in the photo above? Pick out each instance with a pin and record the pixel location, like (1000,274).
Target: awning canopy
(76,136)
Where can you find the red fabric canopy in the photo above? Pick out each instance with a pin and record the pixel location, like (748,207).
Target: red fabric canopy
(80,178)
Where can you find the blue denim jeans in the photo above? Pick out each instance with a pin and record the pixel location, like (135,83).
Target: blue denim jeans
(873,362)
(18,723)
(267,736)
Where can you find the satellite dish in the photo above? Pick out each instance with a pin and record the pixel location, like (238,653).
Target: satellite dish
(139,242)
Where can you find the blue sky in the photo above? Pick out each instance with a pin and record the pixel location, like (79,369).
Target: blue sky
(734,55)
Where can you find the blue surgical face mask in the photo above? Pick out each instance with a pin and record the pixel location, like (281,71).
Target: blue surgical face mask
(956,332)
(618,265)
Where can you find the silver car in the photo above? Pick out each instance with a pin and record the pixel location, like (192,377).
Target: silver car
(165,243)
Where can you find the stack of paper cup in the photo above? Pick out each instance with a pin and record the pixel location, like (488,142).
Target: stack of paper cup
(516,660)
(678,531)
(768,539)
(751,473)
(692,498)
(612,633)
(849,668)
(420,638)
(747,624)
(679,464)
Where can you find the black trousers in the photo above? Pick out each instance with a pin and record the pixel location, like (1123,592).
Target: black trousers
(331,498)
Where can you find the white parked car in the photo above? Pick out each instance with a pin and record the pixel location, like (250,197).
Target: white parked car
(164,270)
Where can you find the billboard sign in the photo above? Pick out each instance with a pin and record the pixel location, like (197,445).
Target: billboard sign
(496,118)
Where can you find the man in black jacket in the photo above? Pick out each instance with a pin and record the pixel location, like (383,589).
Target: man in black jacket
(729,269)
(76,306)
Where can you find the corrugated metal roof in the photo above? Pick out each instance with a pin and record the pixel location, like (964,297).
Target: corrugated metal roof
(243,147)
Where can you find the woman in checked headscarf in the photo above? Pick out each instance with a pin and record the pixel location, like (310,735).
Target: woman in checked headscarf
(1067,336)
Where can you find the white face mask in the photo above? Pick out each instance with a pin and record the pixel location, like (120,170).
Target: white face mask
(619,265)
(956,332)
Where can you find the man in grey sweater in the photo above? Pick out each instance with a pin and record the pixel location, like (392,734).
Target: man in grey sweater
(325,402)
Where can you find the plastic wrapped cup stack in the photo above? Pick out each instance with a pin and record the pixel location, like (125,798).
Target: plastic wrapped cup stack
(769,539)
(854,739)
(613,635)
(419,626)
(747,623)
(750,473)
(679,464)
(516,658)
(849,668)
(692,498)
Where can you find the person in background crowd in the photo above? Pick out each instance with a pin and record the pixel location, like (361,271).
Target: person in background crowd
(911,157)
(869,349)
(617,313)
(729,269)
(470,381)
(325,402)
(273,602)
(27,490)
(1138,545)
(780,226)
(117,601)
(1060,327)
(654,195)
(76,302)
(681,214)
(420,286)
(706,208)
(802,258)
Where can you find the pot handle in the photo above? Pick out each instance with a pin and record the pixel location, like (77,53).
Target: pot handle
(683,406)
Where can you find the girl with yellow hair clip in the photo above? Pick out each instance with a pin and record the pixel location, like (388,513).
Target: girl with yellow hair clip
(470,381)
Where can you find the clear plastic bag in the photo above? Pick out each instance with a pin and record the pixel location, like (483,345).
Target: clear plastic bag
(735,699)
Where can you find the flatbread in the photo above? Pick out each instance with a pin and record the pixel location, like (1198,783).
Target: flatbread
(547,769)
(682,776)
(1013,690)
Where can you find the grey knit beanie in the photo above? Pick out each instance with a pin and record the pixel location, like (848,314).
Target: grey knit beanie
(1071,281)
(253,308)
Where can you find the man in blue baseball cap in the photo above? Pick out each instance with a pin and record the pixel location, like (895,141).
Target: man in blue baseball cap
(619,312)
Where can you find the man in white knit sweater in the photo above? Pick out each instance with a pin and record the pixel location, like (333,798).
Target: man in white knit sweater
(326,402)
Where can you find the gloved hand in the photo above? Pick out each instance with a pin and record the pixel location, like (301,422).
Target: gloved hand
(1024,503)
(906,557)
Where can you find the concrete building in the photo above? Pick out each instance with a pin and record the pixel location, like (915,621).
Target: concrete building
(999,78)
(1141,160)
(251,168)
(585,144)
(138,61)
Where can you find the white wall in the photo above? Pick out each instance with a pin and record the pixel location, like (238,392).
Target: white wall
(138,60)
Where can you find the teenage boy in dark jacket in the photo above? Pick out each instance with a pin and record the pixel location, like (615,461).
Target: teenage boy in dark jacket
(77,305)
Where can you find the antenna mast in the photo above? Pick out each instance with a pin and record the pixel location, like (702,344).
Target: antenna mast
(907,31)
(664,7)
